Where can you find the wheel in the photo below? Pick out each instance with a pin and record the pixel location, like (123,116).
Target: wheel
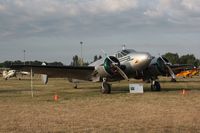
(105,88)
(155,86)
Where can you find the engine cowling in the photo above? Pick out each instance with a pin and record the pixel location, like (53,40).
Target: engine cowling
(109,65)
(107,69)
(158,67)
(162,66)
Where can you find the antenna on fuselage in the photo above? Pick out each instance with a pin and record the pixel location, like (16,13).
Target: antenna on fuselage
(124,47)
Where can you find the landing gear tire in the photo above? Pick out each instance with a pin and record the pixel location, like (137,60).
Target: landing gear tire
(155,86)
(105,88)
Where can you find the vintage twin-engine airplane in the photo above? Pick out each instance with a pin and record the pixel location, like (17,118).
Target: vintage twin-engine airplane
(125,64)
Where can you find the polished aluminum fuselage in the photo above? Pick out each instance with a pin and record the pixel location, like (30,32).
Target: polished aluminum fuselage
(133,62)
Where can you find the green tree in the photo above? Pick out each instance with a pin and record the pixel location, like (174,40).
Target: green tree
(172,57)
(55,63)
(7,63)
(197,63)
(76,61)
(187,59)
(1,64)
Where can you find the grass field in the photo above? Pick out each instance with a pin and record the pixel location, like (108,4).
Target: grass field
(87,110)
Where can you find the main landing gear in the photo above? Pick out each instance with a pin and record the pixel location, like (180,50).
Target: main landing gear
(155,86)
(105,87)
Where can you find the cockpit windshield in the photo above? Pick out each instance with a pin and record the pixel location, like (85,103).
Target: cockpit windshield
(124,52)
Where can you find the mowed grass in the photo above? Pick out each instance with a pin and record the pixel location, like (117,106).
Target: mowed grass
(87,110)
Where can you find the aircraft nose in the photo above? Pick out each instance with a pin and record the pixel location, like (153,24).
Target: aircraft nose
(145,57)
(141,61)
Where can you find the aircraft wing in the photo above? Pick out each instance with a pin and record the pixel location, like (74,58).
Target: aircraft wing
(181,67)
(82,73)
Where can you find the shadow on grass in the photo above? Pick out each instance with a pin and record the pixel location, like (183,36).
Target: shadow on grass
(170,89)
(12,90)
(16,90)
(146,89)
(120,90)
(179,89)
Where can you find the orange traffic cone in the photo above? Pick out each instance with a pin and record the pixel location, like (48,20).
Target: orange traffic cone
(183,92)
(56,97)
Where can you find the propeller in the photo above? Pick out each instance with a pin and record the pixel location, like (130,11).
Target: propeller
(115,65)
(169,68)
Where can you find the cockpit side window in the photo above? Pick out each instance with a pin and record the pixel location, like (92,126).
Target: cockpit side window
(119,55)
(126,52)
(123,53)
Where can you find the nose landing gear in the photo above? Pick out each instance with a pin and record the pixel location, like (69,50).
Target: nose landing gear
(105,87)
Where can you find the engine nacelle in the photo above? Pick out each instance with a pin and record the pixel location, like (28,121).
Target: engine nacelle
(109,65)
(161,66)
(108,69)
(158,67)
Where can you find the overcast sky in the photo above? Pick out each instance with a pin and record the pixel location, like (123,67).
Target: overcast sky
(51,30)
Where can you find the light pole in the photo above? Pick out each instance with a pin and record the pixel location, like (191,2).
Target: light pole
(81,53)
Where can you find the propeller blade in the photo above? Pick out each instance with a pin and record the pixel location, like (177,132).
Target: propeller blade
(119,70)
(171,72)
(163,60)
(122,73)
(169,68)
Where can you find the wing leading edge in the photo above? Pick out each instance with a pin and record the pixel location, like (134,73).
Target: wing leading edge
(181,67)
(82,73)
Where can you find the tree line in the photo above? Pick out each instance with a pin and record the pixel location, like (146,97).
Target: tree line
(7,64)
(77,61)
(174,58)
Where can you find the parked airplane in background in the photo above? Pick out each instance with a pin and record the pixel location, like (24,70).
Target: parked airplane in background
(125,64)
(188,73)
(9,74)
(13,73)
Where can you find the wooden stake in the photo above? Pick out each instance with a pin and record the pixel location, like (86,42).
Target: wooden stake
(31,82)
